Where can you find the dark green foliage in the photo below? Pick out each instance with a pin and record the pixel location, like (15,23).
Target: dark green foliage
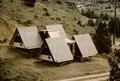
(83,12)
(45,0)
(104,16)
(59,2)
(98,21)
(111,26)
(10,71)
(89,13)
(35,16)
(102,39)
(58,19)
(46,14)
(79,23)
(114,62)
(114,26)
(45,9)
(75,31)
(91,22)
(28,22)
(30,3)
(3,40)
(5,73)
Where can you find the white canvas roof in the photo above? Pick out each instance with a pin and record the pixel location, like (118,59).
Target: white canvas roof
(57,27)
(86,45)
(59,49)
(56,31)
(54,34)
(30,37)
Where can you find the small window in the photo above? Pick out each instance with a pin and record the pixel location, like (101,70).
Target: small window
(20,44)
(49,57)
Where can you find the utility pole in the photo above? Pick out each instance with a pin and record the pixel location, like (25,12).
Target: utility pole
(115,24)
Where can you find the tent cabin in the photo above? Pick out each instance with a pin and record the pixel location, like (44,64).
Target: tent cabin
(85,45)
(58,51)
(57,31)
(57,27)
(26,38)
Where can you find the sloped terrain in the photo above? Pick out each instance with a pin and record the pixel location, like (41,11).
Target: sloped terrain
(44,12)
(14,13)
(31,69)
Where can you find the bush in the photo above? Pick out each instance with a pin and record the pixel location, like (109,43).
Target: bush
(28,22)
(59,2)
(114,28)
(102,39)
(76,31)
(45,9)
(104,16)
(91,22)
(35,16)
(89,13)
(5,72)
(79,23)
(30,3)
(58,19)
(45,0)
(114,62)
(46,14)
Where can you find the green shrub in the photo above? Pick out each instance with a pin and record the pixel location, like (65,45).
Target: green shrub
(76,31)
(59,2)
(45,0)
(28,22)
(45,9)
(79,23)
(46,14)
(30,3)
(91,22)
(102,39)
(114,62)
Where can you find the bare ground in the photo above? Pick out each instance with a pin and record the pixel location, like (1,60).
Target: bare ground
(49,71)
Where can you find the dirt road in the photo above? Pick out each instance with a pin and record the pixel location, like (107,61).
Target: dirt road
(95,77)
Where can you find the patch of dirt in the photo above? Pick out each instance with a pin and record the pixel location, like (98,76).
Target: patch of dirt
(50,71)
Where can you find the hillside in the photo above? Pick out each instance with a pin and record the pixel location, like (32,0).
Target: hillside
(14,13)
(17,65)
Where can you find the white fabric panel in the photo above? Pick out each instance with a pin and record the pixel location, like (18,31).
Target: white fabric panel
(57,27)
(86,45)
(30,37)
(69,41)
(54,34)
(59,49)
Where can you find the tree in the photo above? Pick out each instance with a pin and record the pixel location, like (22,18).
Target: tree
(89,13)
(91,22)
(106,17)
(114,26)
(102,38)
(83,12)
(30,3)
(114,62)
(101,16)
(111,26)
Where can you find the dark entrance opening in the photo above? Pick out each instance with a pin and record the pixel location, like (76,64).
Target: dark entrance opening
(30,3)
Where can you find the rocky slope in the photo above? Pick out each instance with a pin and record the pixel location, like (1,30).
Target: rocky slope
(15,13)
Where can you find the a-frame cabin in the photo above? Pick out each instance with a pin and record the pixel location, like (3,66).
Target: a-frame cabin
(26,38)
(59,51)
(85,45)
